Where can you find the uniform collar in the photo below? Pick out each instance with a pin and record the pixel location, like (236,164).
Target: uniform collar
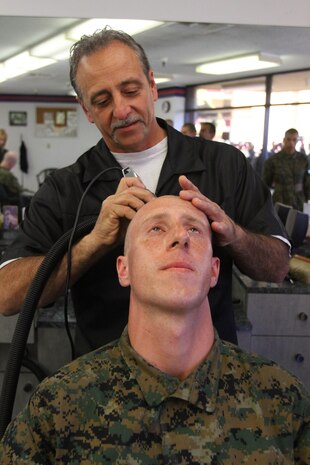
(199,388)
(288,155)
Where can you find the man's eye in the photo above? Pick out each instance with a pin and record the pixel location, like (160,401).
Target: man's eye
(193,230)
(131,91)
(101,103)
(155,229)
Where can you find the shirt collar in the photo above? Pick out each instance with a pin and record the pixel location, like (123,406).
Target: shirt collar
(100,157)
(199,388)
(183,155)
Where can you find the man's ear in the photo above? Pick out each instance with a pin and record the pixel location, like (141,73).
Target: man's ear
(215,270)
(153,86)
(122,271)
(86,111)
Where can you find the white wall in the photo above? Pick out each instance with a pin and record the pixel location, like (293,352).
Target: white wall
(50,152)
(176,112)
(45,152)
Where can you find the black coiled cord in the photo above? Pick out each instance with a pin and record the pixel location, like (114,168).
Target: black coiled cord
(23,325)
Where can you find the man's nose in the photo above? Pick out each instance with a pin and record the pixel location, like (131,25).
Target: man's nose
(179,238)
(121,108)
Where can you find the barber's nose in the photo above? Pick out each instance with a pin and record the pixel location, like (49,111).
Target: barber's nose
(121,108)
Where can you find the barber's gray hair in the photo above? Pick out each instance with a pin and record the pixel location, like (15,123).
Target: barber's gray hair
(101,39)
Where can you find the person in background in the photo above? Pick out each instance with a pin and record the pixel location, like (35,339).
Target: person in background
(3,140)
(207,131)
(116,89)
(189,129)
(10,188)
(170,122)
(286,172)
(169,390)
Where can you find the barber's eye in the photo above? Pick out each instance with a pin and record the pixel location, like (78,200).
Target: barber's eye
(193,230)
(101,103)
(155,229)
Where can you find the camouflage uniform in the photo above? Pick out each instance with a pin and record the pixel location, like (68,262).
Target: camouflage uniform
(112,407)
(9,186)
(288,175)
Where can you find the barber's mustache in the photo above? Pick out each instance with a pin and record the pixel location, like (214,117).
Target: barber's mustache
(125,122)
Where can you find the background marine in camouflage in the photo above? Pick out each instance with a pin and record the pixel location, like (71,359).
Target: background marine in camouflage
(287,173)
(169,391)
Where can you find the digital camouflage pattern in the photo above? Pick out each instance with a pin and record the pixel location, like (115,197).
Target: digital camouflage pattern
(288,175)
(112,407)
(8,180)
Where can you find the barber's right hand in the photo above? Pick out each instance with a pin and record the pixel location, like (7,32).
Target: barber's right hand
(117,210)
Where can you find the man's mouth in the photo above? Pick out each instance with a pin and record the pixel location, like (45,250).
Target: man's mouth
(178,265)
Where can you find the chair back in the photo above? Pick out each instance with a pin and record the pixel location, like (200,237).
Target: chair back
(42,175)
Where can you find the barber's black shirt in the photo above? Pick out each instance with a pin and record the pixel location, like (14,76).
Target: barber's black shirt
(220,171)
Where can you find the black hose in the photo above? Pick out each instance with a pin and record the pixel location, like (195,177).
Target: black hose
(23,325)
(35,368)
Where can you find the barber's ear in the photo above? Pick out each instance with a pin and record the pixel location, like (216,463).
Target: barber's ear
(215,270)
(122,271)
(153,86)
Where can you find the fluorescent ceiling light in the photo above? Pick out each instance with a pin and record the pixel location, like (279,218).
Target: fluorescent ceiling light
(160,80)
(239,64)
(21,64)
(131,26)
(58,47)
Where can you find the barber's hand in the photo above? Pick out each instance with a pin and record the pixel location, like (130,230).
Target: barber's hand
(222,225)
(118,209)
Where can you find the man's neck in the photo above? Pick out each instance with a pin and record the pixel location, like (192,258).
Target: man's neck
(288,152)
(175,344)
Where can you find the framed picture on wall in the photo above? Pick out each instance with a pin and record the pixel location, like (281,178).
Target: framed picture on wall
(56,122)
(18,118)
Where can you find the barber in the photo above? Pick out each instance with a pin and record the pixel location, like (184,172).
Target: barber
(116,89)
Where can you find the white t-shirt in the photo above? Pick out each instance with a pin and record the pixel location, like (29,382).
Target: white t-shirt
(147,164)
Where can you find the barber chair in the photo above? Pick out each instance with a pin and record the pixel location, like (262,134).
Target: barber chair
(296,226)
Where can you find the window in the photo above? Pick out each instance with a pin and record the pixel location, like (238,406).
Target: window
(290,108)
(236,108)
(241,114)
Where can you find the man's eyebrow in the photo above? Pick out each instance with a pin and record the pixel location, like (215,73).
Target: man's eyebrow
(156,217)
(165,215)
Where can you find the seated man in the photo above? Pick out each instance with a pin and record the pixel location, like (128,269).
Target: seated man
(169,390)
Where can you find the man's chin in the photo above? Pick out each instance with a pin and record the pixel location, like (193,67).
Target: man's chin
(130,141)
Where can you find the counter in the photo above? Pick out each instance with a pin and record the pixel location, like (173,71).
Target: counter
(278,316)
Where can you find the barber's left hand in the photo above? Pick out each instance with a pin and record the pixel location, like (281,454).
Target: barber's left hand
(225,229)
